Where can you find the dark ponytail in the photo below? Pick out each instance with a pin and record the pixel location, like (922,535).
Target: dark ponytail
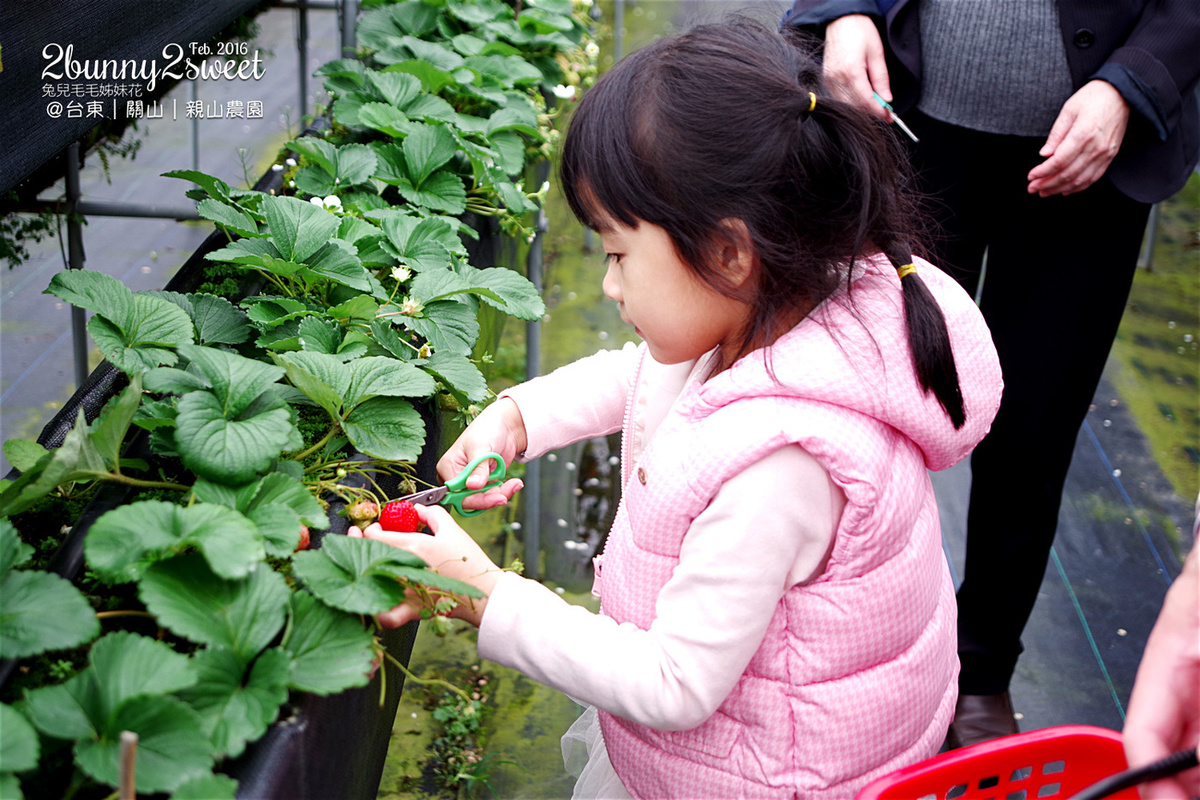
(929,339)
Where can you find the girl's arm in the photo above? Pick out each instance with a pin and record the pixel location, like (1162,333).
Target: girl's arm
(737,561)
(577,401)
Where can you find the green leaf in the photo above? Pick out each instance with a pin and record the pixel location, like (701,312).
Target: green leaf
(123,542)
(386,427)
(458,374)
(215,187)
(76,459)
(419,244)
(318,150)
(18,741)
(42,612)
(345,165)
(509,118)
(124,666)
(127,665)
(433,80)
(279,527)
(425,149)
(109,429)
(135,332)
(24,454)
(234,707)
(360,307)
(345,574)
(278,488)
(277,504)
(434,580)
(298,228)
(438,285)
(429,107)
(206,787)
(441,191)
(171,747)
(479,12)
(218,445)
(378,375)
(505,71)
(318,376)
(337,261)
(233,431)
(320,335)
(12,550)
(396,88)
(229,217)
(195,603)
(314,181)
(446,324)
(518,297)
(266,310)
(217,320)
(168,380)
(387,119)
(330,650)
(510,151)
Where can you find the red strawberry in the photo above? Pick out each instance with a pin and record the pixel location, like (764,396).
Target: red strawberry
(304,538)
(400,516)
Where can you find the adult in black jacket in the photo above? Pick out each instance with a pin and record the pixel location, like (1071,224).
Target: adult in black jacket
(1046,131)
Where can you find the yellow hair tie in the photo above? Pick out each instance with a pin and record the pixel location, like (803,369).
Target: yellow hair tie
(812,101)
(907,269)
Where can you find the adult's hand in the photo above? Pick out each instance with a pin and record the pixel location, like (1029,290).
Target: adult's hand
(1164,707)
(854,65)
(1084,140)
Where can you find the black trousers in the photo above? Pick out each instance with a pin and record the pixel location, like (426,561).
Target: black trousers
(1057,279)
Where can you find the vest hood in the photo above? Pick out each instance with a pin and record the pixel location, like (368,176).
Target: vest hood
(826,357)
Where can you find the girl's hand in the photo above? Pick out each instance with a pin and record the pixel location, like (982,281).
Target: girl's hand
(499,428)
(854,64)
(450,551)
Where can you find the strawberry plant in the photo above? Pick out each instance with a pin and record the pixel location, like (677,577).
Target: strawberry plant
(243,417)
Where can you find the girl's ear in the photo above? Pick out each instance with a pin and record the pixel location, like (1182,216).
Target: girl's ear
(736,251)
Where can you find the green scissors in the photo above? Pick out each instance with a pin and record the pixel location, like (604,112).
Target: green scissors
(455,490)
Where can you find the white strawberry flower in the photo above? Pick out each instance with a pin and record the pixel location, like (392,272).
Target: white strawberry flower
(564,92)
(401,274)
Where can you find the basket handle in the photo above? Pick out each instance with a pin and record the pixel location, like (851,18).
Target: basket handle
(1163,768)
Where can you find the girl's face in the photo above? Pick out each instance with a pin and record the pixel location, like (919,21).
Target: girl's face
(678,315)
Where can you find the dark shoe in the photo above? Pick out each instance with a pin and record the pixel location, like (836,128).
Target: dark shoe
(980,717)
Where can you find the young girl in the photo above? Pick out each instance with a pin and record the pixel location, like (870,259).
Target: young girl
(777,618)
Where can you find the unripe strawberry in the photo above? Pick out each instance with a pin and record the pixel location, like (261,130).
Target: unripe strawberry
(399,516)
(362,513)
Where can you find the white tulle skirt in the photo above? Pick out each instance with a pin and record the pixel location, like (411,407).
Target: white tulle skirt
(586,757)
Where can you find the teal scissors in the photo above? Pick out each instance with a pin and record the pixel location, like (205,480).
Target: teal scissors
(455,490)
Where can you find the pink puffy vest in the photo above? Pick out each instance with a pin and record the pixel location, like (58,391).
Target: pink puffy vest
(856,675)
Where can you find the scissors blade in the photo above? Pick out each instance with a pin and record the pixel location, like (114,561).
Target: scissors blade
(429,497)
(895,117)
(904,127)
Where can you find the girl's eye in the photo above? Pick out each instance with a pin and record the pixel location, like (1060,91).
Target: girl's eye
(612,257)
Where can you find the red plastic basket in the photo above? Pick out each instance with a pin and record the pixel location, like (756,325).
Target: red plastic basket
(1051,762)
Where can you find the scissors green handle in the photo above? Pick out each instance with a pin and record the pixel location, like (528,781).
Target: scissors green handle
(457,486)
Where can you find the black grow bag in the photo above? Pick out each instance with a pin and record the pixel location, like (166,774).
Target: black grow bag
(321,747)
